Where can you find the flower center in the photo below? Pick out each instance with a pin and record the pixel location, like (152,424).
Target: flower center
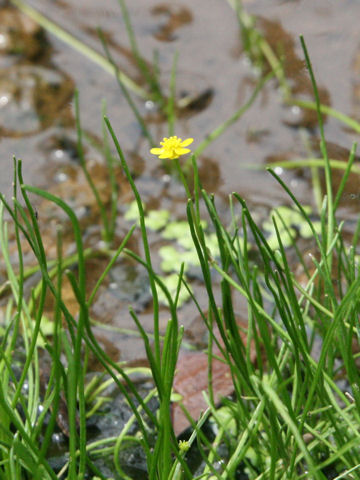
(171,144)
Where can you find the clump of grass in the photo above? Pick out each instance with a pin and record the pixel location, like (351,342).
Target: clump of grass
(290,417)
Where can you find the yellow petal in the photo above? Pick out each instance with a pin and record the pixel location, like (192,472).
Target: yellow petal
(182,151)
(186,142)
(164,155)
(157,151)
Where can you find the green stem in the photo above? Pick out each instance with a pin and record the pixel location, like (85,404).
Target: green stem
(234,117)
(326,110)
(78,45)
(144,239)
(328,180)
(171,114)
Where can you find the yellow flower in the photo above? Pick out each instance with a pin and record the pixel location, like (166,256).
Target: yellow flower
(172,147)
(184,446)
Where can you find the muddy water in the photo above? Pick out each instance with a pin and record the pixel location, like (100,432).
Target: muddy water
(39,73)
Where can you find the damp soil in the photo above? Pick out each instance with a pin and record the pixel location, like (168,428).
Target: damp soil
(38,77)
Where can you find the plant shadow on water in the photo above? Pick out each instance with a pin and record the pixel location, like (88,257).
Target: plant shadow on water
(38,124)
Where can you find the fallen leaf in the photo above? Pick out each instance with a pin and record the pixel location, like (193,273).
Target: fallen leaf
(191,379)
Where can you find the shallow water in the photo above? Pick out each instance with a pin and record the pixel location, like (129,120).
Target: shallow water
(206,35)
(37,82)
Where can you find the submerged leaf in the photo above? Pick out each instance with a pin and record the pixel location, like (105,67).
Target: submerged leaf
(286,238)
(157,219)
(179,230)
(306,232)
(173,258)
(288,218)
(171,283)
(176,230)
(132,213)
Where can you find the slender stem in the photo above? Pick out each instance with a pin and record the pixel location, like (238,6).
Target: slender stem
(326,110)
(88,177)
(144,238)
(171,100)
(328,180)
(234,117)
(78,45)
(124,89)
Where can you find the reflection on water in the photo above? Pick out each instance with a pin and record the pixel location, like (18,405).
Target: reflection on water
(20,37)
(32,98)
(175,17)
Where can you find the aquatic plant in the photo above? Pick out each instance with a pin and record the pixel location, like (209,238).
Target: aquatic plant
(292,361)
(172,147)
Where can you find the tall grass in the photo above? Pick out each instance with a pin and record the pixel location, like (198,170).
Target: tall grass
(294,412)
(288,417)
